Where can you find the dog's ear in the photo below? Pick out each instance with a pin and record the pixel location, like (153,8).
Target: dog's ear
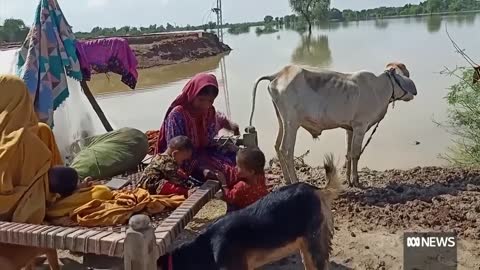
(406,83)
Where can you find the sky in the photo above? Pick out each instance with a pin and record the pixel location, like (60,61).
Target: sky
(86,14)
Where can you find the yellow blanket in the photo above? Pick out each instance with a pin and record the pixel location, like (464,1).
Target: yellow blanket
(27,151)
(98,206)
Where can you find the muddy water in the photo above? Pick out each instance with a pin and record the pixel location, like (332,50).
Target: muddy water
(421,43)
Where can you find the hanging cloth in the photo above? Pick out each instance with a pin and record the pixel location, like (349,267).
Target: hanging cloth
(46,55)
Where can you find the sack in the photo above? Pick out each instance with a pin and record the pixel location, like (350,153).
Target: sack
(110,154)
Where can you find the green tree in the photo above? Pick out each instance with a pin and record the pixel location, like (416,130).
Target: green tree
(336,15)
(311,10)
(170,27)
(434,5)
(268,19)
(13,30)
(350,15)
(464,118)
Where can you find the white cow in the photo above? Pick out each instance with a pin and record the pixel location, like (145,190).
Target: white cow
(321,100)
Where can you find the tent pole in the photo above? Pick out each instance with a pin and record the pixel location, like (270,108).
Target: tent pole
(95,106)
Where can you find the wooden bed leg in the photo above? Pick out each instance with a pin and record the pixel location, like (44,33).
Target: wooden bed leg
(140,247)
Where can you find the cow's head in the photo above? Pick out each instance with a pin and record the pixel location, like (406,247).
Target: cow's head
(401,77)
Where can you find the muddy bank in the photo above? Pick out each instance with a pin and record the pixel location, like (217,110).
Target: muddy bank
(431,198)
(167,48)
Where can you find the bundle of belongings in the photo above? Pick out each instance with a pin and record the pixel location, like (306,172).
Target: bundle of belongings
(108,55)
(102,157)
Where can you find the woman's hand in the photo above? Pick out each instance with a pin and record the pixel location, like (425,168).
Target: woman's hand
(236,130)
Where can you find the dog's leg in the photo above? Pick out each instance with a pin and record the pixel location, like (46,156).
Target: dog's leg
(52,259)
(348,161)
(307,257)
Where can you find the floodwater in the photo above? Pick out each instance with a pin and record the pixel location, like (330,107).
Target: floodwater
(420,43)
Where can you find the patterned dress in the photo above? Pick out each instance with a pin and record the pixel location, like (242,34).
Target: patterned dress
(161,175)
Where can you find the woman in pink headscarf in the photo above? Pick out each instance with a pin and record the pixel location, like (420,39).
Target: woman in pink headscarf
(192,114)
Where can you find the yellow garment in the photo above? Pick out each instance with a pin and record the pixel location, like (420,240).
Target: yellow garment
(64,207)
(122,206)
(27,151)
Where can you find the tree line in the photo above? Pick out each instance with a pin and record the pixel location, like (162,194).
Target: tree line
(307,13)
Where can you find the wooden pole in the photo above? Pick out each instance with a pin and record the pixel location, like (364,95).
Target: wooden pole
(95,106)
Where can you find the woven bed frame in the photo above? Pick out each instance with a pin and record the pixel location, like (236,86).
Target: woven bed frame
(139,245)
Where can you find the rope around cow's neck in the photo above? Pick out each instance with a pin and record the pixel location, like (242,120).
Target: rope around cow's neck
(370,138)
(393,106)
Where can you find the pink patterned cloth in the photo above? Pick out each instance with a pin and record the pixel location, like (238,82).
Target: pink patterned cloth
(108,55)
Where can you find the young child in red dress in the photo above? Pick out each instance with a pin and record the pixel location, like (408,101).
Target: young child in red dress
(247,184)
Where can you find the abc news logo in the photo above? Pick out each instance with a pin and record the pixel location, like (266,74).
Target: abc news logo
(431,241)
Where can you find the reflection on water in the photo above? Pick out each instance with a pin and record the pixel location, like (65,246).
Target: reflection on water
(344,47)
(381,24)
(153,77)
(313,51)
(434,23)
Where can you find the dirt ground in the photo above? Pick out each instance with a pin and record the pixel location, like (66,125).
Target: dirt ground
(370,222)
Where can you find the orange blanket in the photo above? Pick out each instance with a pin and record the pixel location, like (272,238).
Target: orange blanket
(122,206)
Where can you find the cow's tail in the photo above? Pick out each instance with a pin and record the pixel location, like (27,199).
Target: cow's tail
(269,78)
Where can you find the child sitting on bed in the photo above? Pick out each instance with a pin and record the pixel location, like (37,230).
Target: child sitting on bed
(162,176)
(248,183)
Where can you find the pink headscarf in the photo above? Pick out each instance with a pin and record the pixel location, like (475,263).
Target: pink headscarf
(189,93)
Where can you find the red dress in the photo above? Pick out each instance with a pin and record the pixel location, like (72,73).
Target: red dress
(241,194)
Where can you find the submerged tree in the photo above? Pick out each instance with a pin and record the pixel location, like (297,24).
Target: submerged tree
(311,10)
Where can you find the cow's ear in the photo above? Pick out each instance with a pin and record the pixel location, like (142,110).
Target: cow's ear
(406,83)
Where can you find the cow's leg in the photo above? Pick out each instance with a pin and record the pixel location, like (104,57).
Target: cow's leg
(278,142)
(287,148)
(348,160)
(357,141)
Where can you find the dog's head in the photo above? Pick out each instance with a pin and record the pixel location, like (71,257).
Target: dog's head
(402,78)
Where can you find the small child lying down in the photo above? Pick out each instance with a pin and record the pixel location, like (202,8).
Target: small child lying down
(163,175)
(64,181)
(247,184)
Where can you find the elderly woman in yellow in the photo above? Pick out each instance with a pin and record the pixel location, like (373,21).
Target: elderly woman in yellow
(27,151)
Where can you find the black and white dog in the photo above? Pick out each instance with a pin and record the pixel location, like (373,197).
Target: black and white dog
(292,218)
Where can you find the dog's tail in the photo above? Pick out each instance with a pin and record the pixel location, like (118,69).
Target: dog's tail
(333,188)
(269,78)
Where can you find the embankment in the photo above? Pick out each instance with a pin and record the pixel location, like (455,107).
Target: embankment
(167,48)
(175,48)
